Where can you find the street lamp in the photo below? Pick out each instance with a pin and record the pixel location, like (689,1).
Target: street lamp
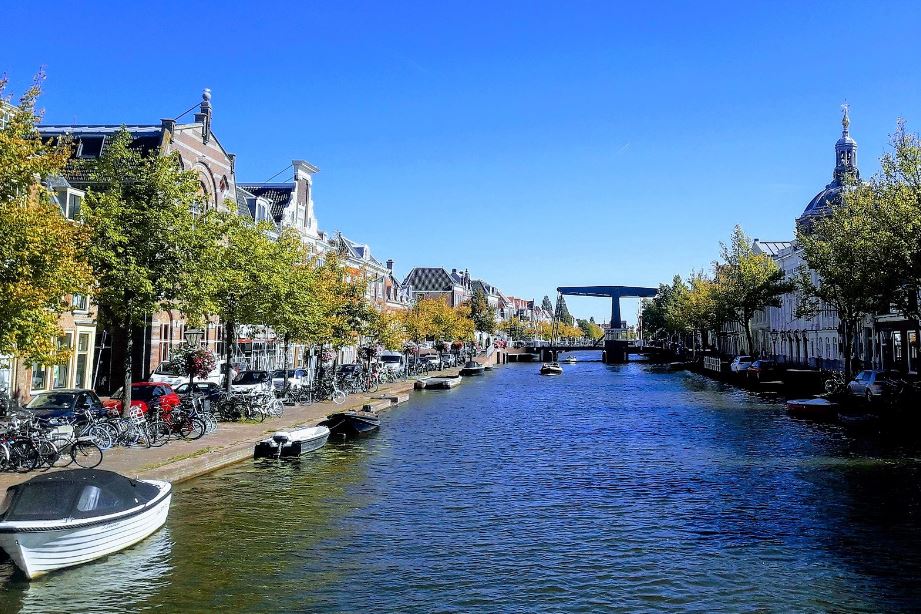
(194,336)
(774,335)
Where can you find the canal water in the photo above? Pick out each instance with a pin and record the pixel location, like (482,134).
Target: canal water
(612,488)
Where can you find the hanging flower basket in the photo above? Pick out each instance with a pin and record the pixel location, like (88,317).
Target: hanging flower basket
(457,345)
(193,361)
(327,355)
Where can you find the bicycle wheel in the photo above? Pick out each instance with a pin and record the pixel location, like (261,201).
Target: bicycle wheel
(100,435)
(86,454)
(338,397)
(23,456)
(47,453)
(185,427)
(277,408)
(4,457)
(63,457)
(198,428)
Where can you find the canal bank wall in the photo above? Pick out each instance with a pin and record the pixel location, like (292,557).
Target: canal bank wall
(233,442)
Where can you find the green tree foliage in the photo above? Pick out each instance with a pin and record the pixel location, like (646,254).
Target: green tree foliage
(144,238)
(483,316)
(547,304)
(562,312)
(41,252)
(241,276)
(746,282)
(854,258)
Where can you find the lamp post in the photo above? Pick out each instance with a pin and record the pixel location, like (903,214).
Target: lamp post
(774,334)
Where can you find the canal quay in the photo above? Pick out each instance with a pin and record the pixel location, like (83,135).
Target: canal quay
(612,488)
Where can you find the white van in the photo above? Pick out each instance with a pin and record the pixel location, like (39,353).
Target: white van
(392,361)
(164,374)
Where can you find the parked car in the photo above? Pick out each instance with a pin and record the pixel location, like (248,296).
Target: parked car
(249,381)
(448,360)
(206,390)
(740,364)
(64,403)
(296,378)
(166,374)
(392,361)
(143,394)
(762,370)
(434,361)
(871,385)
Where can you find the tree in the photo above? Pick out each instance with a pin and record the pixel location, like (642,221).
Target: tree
(855,259)
(144,244)
(298,306)
(747,282)
(41,252)
(896,203)
(240,272)
(483,316)
(562,312)
(547,304)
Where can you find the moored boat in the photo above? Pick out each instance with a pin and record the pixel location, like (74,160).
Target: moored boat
(817,408)
(551,368)
(356,423)
(570,359)
(72,517)
(472,367)
(293,443)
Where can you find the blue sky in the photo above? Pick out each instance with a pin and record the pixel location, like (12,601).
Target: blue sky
(536,144)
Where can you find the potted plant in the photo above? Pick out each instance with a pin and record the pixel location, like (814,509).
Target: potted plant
(193,361)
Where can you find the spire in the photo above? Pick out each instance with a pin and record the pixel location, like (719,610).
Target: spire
(846,150)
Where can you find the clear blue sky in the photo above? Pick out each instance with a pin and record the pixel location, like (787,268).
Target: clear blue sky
(609,143)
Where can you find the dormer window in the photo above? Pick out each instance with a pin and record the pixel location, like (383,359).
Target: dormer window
(90,146)
(70,201)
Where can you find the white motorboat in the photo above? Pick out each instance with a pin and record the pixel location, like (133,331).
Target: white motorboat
(570,359)
(295,442)
(71,517)
(551,368)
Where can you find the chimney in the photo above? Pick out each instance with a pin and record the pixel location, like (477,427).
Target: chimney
(453,271)
(390,265)
(168,125)
(203,117)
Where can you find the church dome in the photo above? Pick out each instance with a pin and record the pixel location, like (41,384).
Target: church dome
(822,203)
(845,171)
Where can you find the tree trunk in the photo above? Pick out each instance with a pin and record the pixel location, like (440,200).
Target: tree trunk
(129,365)
(287,340)
(749,341)
(848,349)
(228,351)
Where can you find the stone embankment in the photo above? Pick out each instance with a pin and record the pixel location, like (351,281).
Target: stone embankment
(233,441)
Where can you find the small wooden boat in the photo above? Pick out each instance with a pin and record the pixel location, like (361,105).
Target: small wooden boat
(286,444)
(551,368)
(352,423)
(71,517)
(438,383)
(817,408)
(472,367)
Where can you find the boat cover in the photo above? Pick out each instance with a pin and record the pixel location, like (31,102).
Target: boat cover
(78,493)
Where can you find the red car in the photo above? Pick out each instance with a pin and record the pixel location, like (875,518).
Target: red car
(142,394)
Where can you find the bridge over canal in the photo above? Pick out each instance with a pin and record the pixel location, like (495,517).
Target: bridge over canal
(615,343)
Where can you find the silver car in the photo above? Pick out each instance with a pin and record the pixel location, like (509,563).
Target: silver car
(870,385)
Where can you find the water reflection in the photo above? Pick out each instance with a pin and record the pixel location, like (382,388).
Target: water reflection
(609,488)
(117,583)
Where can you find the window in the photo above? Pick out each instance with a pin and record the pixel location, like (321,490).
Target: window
(81,377)
(39,377)
(60,373)
(79,302)
(74,201)
(90,146)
